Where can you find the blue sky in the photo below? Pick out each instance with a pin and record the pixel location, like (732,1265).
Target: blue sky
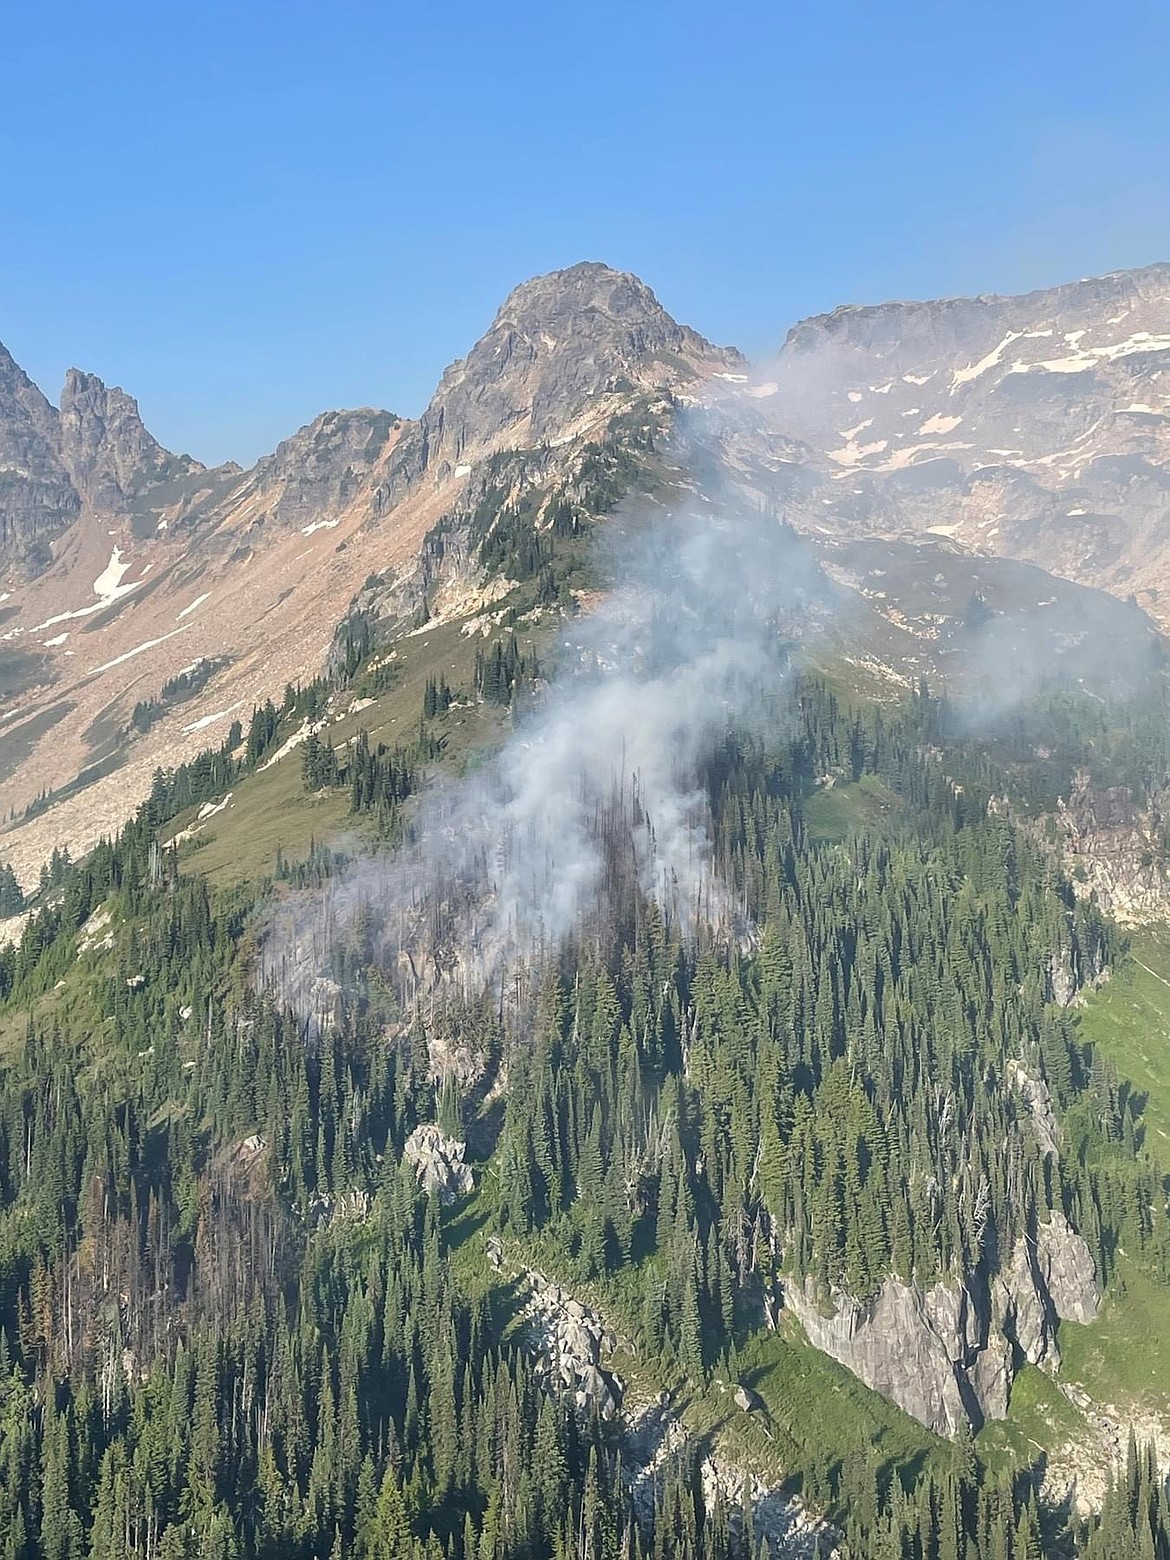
(247,212)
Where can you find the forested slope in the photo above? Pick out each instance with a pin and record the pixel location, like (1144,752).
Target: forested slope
(234,1325)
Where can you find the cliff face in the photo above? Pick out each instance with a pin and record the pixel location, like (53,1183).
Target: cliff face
(1115,849)
(113,462)
(947,1354)
(37,499)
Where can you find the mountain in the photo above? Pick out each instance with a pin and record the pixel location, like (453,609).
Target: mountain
(158,564)
(1033,427)
(115,465)
(942,423)
(554,1047)
(37,497)
(557,345)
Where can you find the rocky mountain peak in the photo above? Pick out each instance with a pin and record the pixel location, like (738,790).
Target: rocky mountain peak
(36,497)
(315,474)
(111,457)
(558,342)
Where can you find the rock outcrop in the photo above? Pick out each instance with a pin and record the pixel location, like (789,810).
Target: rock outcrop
(1038,1102)
(1066,1271)
(947,1354)
(656,1438)
(1113,847)
(316,474)
(438,1163)
(570,1342)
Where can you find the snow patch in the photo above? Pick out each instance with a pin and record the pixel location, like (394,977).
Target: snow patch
(902,458)
(918,379)
(209,720)
(107,587)
(850,434)
(319,525)
(962,376)
(198,602)
(58,639)
(137,650)
(209,809)
(852,454)
(309,729)
(110,578)
(940,424)
(462,471)
(1088,357)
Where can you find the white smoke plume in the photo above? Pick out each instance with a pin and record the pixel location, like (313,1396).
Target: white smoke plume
(599,783)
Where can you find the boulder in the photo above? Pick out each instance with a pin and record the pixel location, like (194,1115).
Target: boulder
(438,1163)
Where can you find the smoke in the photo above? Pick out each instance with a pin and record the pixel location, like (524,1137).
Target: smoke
(1070,638)
(596,790)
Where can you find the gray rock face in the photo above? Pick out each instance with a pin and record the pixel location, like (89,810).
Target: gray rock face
(313,476)
(1113,848)
(113,461)
(945,1354)
(558,342)
(906,1343)
(1066,1270)
(94,453)
(1034,1093)
(747,1400)
(37,499)
(1023,1308)
(438,1163)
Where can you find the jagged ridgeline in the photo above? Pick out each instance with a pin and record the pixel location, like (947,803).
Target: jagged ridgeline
(232,1325)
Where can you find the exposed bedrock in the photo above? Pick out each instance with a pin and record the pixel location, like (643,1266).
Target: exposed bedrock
(947,1354)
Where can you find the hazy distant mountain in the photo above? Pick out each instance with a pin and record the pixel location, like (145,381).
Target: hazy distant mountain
(1036,427)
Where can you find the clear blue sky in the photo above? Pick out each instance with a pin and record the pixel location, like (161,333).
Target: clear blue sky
(247,212)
